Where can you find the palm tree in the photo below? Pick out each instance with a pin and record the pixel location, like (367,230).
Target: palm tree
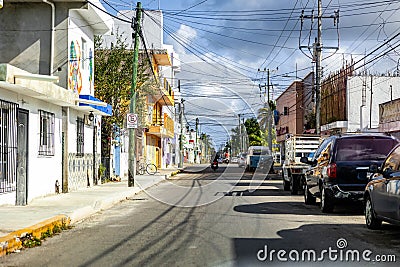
(262,117)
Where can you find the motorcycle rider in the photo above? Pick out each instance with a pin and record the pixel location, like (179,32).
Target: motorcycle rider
(214,163)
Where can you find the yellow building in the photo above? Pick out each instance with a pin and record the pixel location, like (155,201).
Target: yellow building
(159,123)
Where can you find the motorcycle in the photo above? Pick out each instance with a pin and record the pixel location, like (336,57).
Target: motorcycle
(214,165)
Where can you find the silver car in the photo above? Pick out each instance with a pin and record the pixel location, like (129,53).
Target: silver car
(242,159)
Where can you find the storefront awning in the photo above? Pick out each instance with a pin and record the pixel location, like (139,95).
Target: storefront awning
(95,105)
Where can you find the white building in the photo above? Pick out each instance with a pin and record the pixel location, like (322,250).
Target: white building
(364,94)
(49,118)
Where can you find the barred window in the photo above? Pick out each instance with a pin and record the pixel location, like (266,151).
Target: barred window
(46,145)
(79,136)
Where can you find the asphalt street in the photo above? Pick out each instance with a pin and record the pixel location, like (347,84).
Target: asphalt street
(223,218)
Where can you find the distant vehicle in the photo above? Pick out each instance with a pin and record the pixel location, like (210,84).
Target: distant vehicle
(297,146)
(234,159)
(382,193)
(242,159)
(254,154)
(339,167)
(214,165)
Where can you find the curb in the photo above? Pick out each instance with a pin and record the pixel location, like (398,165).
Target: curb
(12,241)
(167,176)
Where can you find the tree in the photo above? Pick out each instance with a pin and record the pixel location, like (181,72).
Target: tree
(113,74)
(253,132)
(310,120)
(262,117)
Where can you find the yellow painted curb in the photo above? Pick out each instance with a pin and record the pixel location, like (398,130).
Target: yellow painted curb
(12,241)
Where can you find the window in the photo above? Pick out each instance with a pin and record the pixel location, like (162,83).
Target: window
(8,146)
(84,49)
(79,136)
(285,110)
(46,144)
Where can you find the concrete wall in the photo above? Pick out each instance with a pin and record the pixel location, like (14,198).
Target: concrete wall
(43,171)
(26,37)
(381,93)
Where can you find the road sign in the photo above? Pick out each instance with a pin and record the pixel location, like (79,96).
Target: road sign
(131,120)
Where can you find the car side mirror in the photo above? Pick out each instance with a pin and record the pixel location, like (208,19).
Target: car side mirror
(304,160)
(373,168)
(386,173)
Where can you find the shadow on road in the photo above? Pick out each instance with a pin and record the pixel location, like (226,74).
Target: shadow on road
(318,237)
(255,193)
(297,208)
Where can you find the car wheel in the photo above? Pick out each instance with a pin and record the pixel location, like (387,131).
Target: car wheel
(326,202)
(309,199)
(370,218)
(294,186)
(286,184)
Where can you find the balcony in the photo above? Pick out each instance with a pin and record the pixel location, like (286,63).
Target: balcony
(162,127)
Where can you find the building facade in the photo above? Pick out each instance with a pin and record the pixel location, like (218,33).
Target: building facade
(350,102)
(157,139)
(50,120)
(293,107)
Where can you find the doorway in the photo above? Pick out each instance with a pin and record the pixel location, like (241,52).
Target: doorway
(22,158)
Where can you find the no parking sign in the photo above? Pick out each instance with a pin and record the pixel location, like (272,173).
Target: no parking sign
(131,120)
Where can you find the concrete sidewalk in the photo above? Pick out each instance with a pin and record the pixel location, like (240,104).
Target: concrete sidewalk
(55,212)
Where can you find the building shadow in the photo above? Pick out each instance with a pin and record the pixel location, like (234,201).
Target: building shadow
(297,208)
(316,238)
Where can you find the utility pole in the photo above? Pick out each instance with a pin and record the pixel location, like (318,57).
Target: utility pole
(244,137)
(196,153)
(240,136)
(269,105)
(317,57)
(181,110)
(370,105)
(181,136)
(132,106)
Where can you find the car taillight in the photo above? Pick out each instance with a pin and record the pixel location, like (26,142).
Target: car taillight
(331,170)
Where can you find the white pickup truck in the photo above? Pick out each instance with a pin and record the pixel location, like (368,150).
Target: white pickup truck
(297,146)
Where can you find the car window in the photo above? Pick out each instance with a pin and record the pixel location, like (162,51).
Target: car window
(393,161)
(352,149)
(321,148)
(325,153)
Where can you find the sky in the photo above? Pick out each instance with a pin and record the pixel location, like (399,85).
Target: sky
(237,38)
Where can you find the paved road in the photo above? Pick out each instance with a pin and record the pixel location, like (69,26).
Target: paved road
(223,218)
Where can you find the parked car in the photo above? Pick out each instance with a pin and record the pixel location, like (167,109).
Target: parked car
(254,154)
(242,159)
(382,193)
(266,164)
(338,170)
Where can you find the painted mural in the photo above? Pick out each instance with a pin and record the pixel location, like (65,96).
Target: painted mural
(91,70)
(75,72)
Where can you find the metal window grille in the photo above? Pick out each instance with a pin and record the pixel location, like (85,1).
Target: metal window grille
(8,146)
(79,136)
(46,144)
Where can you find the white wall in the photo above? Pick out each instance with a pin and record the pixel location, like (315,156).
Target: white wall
(381,94)
(43,171)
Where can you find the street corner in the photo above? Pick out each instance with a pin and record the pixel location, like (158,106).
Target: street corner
(31,236)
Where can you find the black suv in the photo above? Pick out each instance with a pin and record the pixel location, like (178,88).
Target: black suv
(338,170)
